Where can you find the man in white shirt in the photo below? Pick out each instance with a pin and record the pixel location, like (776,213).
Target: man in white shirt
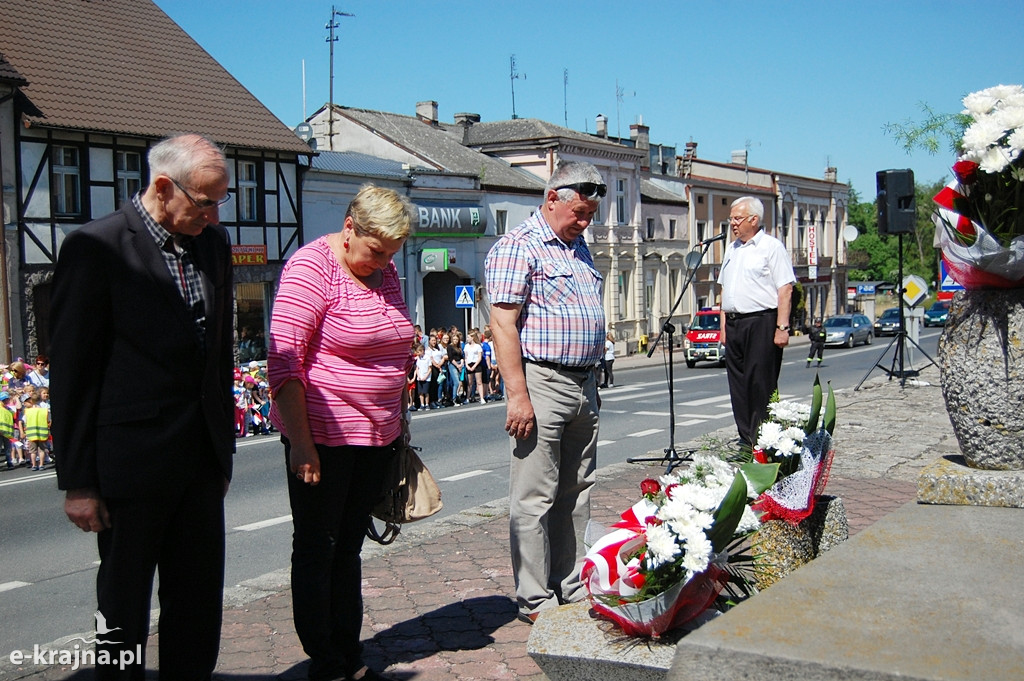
(757,286)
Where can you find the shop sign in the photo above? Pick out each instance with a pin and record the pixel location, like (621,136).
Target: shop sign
(248,255)
(444,220)
(434,260)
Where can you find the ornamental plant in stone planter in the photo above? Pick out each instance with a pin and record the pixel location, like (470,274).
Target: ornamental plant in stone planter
(798,521)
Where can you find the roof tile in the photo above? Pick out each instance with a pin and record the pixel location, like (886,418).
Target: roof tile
(124,67)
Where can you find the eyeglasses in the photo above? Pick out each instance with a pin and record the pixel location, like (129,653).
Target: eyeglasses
(589,190)
(738,219)
(206,204)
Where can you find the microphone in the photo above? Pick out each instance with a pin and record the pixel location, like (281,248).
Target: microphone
(718,237)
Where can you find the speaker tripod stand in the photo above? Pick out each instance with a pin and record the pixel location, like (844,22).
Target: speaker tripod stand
(899,340)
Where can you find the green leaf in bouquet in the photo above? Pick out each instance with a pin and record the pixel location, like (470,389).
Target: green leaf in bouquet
(728,515)
(830,411)
(812,420)
(761,476)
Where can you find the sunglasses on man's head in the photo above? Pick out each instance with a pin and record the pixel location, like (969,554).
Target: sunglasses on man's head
(588,190)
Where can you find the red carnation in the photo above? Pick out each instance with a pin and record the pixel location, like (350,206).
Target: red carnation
(760,456)
(652,520)
(966,171)
(650,487)
(668,490)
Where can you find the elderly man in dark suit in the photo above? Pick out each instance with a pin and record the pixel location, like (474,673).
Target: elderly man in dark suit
(141,364)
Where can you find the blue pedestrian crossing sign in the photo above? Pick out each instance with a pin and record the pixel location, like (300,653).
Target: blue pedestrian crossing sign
(464,297)
(947,282)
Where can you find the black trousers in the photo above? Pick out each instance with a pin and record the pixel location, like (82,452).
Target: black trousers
(182,536)
(752,363)
(330,521)
(817,348)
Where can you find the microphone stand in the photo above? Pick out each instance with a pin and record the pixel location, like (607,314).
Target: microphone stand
(671,456)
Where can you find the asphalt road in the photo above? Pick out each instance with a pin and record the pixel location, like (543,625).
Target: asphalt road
(47,566)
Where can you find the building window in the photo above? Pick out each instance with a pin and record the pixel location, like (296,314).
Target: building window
(624,312)
(248,190)
(700,198)
(671,229)
(500,222)
(67,181)
(129,175)
(620,201)
(701,226)
(650,228)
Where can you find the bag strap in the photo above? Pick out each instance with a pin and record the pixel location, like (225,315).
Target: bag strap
(386,537)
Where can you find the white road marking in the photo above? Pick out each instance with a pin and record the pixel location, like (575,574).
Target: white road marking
(8,586)
(645,433)
(34,477)
(706,417)
(706,400)
(601,443)
(651,413)
(691,422)
(270,522)
(463,476)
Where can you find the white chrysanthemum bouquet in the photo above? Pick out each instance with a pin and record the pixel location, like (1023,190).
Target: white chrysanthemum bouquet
(666,560)
(801,450)
(980,221)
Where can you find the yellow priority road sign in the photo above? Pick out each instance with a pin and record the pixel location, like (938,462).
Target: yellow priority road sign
(915,289)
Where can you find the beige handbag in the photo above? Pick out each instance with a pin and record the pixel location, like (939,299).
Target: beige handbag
(410,494)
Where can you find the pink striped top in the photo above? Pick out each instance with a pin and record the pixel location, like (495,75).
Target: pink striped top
(350,347)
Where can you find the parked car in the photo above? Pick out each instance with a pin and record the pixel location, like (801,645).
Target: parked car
(889,323)
(937,313)
(848,330)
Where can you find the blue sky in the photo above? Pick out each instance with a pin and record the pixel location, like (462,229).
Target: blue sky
(802,85)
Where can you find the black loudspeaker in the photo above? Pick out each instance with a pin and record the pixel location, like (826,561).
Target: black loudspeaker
(897,210)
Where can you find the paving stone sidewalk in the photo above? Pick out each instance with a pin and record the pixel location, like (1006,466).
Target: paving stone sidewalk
(438,604)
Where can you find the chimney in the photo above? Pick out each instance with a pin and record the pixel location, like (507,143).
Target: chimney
(466,121)
(830,174)
(427,112)
(602,126)
(739,157)
(691,150)
(641,135)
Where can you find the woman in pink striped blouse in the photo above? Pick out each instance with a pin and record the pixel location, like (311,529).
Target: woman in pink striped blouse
(339,354)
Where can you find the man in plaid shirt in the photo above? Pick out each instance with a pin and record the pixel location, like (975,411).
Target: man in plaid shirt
(548,321)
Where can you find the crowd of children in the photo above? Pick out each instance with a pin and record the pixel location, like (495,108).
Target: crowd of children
(25,418)
(252,401)
(451,370)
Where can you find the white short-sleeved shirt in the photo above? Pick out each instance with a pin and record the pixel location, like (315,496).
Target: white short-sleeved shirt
(753,272)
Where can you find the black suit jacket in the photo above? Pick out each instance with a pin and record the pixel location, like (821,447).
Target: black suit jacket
(139,403)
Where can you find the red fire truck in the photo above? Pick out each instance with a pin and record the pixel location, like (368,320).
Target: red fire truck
(703,338)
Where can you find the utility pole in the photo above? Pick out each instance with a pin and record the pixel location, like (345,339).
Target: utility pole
(513,76)
(331,39)
(565,96)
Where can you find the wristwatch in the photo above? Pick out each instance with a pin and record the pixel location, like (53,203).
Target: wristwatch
(782,328)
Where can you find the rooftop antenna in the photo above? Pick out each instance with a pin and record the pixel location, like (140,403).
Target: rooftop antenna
(513,76)
(565,95)
(303,89)
(331,39)
(619,94)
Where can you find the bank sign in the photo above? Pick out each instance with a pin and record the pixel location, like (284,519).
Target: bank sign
(447,220)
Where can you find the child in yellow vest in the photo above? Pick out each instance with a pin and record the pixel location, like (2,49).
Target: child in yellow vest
(6,429)
(35,423)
